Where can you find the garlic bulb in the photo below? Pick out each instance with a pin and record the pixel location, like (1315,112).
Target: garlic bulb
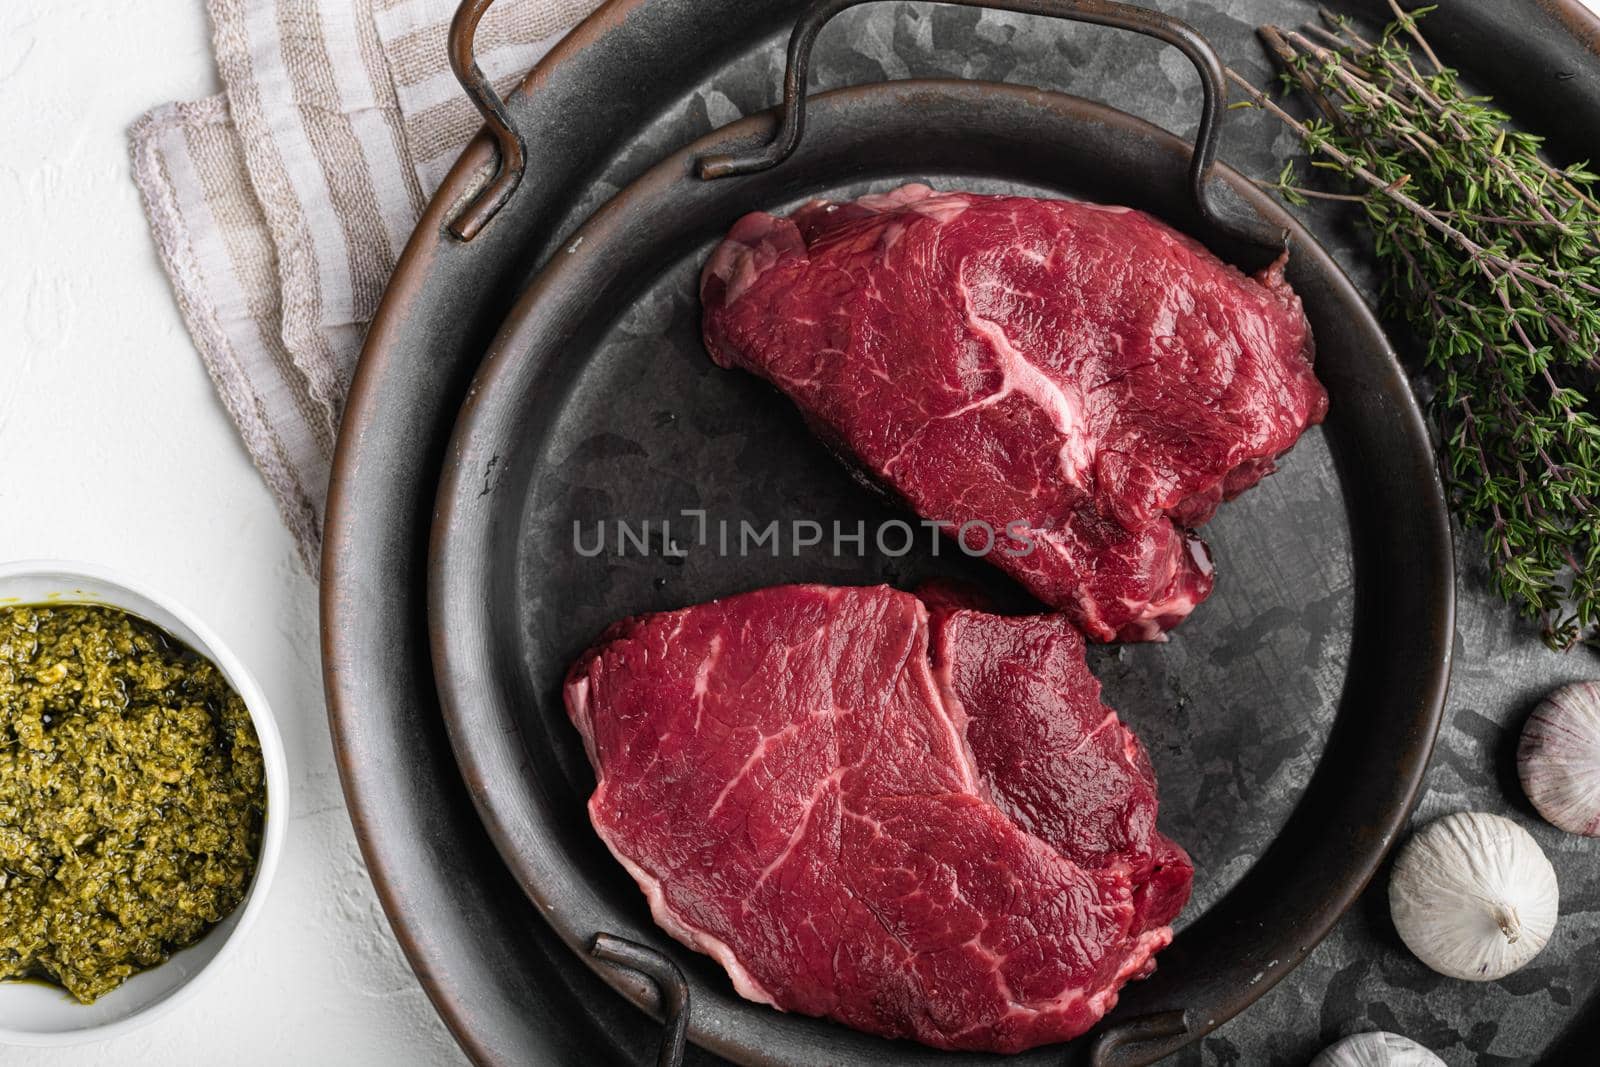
(1559,758)
(1377,1049)
(1473,896)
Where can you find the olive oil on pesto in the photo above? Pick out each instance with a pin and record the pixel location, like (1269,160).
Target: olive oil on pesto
(132,796)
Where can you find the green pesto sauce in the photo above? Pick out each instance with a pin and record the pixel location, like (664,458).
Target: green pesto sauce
(132,796)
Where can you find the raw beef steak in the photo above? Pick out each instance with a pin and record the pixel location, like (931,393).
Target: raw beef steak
(1053,757)
(787,775)
(1084,373)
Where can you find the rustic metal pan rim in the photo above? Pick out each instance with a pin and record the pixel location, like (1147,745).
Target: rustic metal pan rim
(343,693)
(457,626)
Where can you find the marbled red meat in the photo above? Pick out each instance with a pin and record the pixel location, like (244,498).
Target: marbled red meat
(839,814)
(1086,371)
(1055,759)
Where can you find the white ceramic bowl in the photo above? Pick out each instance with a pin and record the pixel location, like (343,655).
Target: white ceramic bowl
(35,1014)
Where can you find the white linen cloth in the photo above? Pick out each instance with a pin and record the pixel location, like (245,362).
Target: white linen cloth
(280,205)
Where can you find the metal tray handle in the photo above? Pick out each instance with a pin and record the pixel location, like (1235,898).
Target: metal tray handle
(513,150)
(1141,20)
(672,987)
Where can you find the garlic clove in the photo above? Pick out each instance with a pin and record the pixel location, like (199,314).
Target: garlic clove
(1473,896)
(1559,758)
(1377,1049)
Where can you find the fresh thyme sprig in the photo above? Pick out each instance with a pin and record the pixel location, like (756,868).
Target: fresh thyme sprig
(1493,256)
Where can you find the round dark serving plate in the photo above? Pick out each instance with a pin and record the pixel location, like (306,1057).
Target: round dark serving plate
(597,403)
(510,990)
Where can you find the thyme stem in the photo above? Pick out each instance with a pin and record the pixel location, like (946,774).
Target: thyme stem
(1493,257)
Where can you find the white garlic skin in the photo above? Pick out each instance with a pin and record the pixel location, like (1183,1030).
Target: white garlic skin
(1377,1049)
(1473,896)
(1559,758)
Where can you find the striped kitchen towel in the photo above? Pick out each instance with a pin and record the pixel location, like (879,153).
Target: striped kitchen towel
(280,205)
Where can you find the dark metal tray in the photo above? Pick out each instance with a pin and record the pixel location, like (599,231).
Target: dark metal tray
(509,991)
(597,402)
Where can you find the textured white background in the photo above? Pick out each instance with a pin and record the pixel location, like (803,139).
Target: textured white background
(113,448)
